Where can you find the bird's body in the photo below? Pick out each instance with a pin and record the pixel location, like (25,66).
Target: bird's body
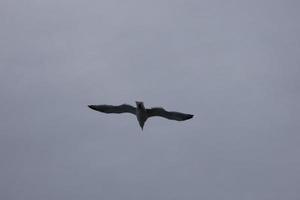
(141,113)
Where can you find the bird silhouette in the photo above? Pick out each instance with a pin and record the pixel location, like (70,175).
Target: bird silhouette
(141,113)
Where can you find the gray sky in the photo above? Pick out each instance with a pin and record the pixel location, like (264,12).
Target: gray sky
(234,64)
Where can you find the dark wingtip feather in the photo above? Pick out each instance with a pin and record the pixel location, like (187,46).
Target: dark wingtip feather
(91,107)
(190,116)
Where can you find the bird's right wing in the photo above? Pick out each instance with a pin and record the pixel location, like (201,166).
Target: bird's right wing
(124,108)
(160,112)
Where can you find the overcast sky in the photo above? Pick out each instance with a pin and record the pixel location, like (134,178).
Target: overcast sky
(233,64)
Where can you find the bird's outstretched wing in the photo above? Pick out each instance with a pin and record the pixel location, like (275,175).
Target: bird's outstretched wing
(160,112)
(124,108)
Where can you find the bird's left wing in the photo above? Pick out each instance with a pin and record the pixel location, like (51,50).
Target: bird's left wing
(124,108)
(160,112)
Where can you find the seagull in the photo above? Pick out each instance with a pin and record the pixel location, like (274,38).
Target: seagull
(141,113)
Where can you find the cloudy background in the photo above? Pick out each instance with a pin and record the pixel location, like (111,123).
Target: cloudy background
(233,64)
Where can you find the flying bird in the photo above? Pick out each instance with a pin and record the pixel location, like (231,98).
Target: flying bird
(141,113)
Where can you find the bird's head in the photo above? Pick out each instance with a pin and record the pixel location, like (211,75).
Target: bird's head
(139,104)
